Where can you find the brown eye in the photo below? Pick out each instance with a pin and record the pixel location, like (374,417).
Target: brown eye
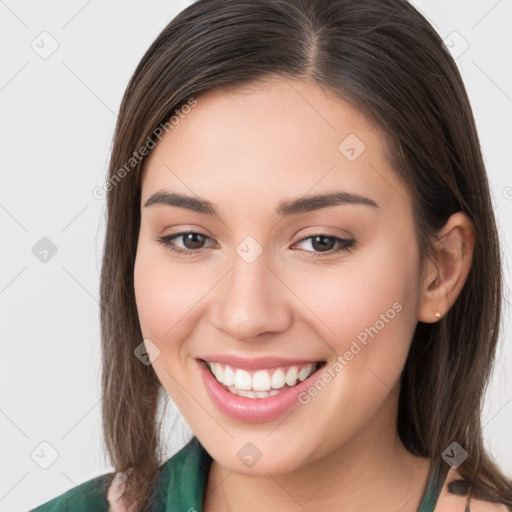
(325,244)
(192,242)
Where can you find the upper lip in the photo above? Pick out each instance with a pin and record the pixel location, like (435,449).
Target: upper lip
(256,363)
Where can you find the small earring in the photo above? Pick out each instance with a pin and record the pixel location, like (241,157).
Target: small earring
(437,314)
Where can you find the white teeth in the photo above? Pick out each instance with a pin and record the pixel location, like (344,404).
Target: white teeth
(242,380)
(291,375)
(278,379)
(305,372)
(261,383)
(253,394)
(247,394)
(229,376)
(217,371)
(233,390)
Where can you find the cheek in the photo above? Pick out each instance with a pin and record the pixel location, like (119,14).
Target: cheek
(368,312)
(368,298)
(152,295)
(168,296)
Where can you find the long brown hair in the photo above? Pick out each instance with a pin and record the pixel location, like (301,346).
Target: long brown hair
(384,58)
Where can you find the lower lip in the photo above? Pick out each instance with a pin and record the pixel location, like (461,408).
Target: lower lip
(252,410)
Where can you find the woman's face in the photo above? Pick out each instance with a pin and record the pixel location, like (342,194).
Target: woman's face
(272,284)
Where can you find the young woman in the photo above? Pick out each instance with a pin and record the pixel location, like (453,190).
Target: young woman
(301,252)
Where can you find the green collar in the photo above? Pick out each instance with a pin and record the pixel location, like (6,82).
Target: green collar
(182,482)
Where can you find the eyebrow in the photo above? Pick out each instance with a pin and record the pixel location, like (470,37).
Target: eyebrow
(285,208)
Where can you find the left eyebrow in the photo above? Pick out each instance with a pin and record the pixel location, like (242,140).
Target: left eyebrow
(311,203)
(285,208)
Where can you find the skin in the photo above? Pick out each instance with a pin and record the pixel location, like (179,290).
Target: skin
(245,150)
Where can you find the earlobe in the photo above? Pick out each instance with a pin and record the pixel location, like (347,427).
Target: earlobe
(447,272)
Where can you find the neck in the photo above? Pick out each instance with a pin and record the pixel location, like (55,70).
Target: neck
(371,469)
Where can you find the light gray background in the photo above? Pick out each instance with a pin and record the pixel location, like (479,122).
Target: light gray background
(57,120)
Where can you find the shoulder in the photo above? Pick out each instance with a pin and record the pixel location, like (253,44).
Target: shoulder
(183,476)
(450,502)
(90,495)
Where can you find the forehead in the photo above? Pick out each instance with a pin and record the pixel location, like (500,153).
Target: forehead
(277,137)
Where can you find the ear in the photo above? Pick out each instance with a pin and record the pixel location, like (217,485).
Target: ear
(446,274)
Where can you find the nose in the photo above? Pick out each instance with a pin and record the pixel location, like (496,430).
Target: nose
(252,300)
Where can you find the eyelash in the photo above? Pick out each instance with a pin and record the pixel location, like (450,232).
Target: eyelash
(344,243)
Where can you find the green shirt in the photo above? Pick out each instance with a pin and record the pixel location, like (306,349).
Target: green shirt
(180,487)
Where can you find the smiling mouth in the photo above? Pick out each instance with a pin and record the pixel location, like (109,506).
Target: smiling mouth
(261,383)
